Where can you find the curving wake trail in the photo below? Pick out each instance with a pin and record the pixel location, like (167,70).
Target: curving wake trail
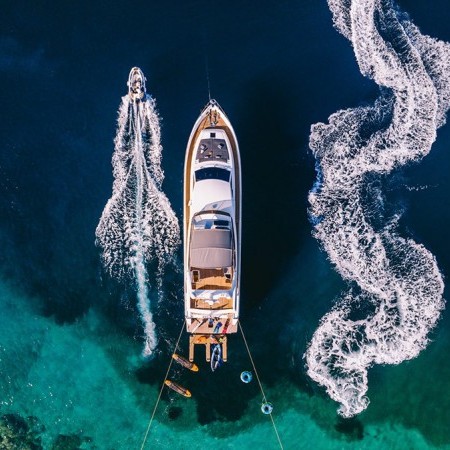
(138,224)
(396,288)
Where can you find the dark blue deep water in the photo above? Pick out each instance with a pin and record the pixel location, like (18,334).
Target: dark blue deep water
(71,375)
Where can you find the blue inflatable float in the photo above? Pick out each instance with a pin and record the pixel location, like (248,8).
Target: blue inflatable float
(246,376)
(267,408)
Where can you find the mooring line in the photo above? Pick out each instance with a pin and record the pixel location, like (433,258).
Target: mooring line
(162,387)
(260,385)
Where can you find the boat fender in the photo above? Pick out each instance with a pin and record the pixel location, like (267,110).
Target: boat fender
(246,376)
(267,408)
(217,327)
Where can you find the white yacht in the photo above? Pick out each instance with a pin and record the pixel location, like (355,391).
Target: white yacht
(212,232)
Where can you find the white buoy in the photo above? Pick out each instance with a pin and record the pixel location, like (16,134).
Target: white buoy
(267,408)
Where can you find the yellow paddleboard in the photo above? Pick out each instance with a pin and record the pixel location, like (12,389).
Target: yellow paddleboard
(178,389)
(185,363)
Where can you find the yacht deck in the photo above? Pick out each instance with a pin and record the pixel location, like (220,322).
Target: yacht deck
(212,279)
(224,302)
(219,325)
(212,149)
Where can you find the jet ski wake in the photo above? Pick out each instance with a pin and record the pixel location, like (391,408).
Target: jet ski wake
(138,225)
(395,286)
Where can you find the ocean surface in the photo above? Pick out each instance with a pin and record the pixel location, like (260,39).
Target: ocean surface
(72,370)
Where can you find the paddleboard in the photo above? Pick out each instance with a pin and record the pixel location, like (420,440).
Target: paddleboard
(177,388)
(185,363)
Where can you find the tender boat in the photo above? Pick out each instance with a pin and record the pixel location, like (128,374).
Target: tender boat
(212,231)
(136,84)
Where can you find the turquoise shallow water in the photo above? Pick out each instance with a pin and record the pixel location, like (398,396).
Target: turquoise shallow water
(78,379)
(71,339)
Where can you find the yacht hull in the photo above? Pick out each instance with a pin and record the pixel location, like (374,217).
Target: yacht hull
(212,230)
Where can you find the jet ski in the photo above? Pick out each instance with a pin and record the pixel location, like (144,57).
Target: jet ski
(136,84)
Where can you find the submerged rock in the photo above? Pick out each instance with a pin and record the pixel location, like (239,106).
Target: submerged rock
(175,412)
(18,433)
(352,429)
(71,442)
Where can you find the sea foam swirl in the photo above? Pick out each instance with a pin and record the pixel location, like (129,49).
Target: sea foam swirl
(395,287)
(138,224)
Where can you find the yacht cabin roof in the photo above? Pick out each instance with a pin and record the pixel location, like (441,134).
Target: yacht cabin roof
(207,193)
(211,248)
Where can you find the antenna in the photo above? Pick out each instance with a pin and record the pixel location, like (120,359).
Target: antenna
(207,76)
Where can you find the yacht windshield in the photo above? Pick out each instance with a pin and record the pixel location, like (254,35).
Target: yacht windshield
(215,173)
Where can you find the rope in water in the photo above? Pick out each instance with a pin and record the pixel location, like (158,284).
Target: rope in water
(260,385)
(162,387)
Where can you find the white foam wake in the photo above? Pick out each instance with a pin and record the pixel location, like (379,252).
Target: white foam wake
(395,293)
(138,224)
